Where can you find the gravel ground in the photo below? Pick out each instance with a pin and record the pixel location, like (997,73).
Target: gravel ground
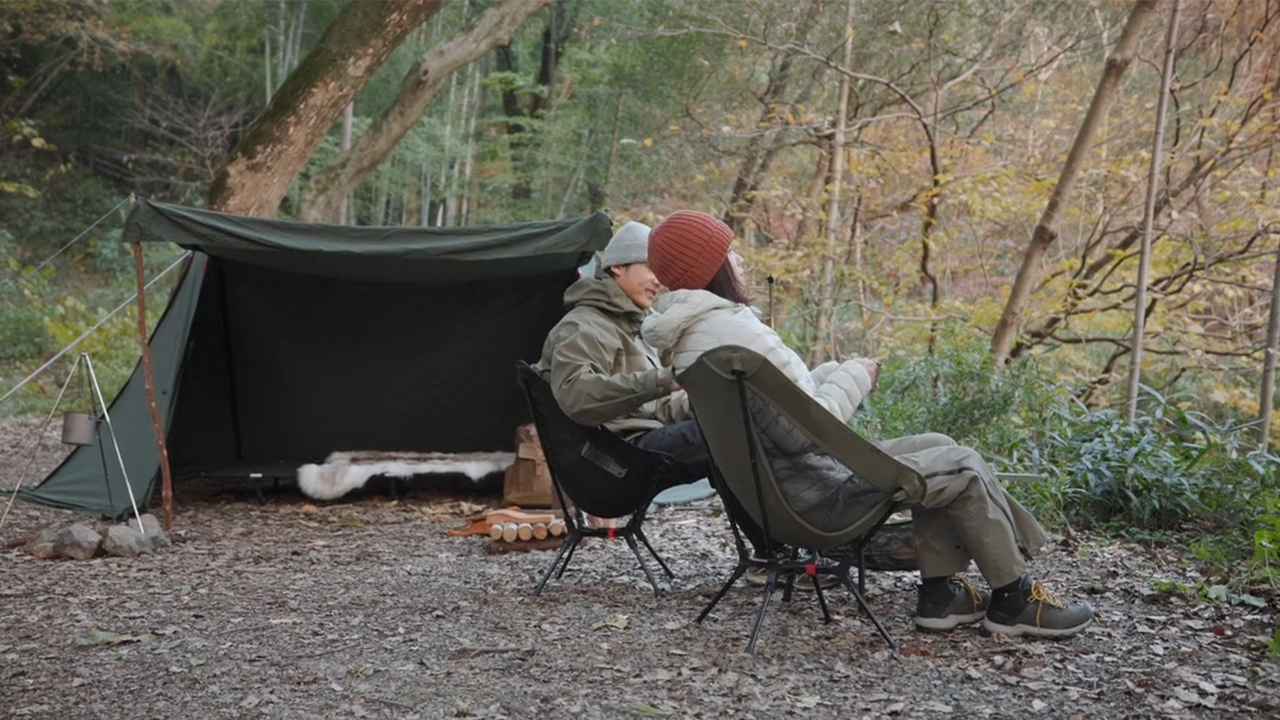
(368,608)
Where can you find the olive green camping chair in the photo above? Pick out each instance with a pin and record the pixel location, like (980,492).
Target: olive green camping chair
(720,385)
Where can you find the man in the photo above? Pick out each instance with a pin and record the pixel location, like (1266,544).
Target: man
(602,373)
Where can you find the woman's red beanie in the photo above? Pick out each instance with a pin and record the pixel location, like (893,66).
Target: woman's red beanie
(687,248)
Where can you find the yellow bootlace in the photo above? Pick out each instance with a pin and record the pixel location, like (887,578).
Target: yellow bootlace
(973,591)
(1042,595)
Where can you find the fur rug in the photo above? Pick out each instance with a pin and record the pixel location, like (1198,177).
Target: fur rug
(343,472)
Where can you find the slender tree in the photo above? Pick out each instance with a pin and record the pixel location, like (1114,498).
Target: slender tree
(1046,230)
(1149,214)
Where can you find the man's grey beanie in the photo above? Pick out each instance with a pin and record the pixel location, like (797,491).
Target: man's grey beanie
(629,245)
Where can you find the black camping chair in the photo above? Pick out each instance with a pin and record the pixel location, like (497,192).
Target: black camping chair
(719,385)
(598,473)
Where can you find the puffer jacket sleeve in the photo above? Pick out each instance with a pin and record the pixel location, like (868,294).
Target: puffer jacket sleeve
(673,408)
(840,387)
(587,393)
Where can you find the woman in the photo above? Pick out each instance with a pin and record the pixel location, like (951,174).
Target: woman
(965,515)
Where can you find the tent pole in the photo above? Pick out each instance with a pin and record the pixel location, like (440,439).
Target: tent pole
(151,389)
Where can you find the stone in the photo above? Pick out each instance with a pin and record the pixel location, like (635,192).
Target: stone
(152,528)
(124,541)
(77,541)
(47,536)
(41,550)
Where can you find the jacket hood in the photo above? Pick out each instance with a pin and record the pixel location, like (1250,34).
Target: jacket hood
(674,312)
(602,293)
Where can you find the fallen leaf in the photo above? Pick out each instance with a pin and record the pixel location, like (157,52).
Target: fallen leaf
(646,709)
(1185,695)
(618,622)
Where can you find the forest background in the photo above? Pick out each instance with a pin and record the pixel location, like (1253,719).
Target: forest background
(892,169)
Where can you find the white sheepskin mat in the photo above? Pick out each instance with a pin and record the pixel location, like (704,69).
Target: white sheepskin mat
(343,472)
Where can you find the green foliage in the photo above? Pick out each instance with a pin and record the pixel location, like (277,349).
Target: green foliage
(956,391)
(1170,469)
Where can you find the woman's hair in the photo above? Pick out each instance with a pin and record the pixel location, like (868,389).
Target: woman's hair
(728,284)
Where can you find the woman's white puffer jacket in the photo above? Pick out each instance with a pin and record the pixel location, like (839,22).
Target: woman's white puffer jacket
(691,322)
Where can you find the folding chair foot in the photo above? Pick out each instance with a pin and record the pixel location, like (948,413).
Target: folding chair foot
(769,587)
(733,578)
(822,600)
(640,534)
(635,550)
(570,542)
(866,610)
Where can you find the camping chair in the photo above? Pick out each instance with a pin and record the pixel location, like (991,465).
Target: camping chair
(588,466)
(719,384)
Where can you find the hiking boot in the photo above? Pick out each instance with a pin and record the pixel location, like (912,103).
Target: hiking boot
(948,605)
(1032,609)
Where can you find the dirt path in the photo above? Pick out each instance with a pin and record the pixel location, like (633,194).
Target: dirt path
(368,609)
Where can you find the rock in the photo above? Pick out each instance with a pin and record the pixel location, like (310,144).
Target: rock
(47,536)
(124,541)
(152,528)
(78,542)
(41,550)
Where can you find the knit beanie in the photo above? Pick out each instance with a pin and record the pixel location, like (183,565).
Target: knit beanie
(688,248)
(629,245)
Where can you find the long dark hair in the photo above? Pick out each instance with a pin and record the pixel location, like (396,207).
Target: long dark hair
(728,284)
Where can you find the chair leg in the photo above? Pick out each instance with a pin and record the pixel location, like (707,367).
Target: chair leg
(769,586)
(788,584)
(822,600)
(862,568)
(570,542)
(635,550)
(733,578)
(577,537)
(654,553)
(866,609)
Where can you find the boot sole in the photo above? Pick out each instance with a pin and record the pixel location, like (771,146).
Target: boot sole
(951,622)
(1032,630)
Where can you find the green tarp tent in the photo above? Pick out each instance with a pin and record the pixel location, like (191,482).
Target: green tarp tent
(286,341)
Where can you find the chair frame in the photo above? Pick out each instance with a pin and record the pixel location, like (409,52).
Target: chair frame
(792,564)
(596,441)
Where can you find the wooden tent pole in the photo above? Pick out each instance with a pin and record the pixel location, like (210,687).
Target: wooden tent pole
(151,388)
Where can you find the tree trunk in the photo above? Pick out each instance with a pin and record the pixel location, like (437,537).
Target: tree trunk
(348,119)
(1149,214)
(761,148)
(824,345)
(275,149)
(417,89)
(1046,229)
(1267,398)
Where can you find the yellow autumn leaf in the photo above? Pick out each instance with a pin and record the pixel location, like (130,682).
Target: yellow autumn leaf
(742,43)
(648,142)
(673,128)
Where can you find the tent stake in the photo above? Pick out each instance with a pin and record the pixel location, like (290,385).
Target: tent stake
(167,492)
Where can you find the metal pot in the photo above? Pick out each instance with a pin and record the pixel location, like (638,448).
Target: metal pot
(79,428)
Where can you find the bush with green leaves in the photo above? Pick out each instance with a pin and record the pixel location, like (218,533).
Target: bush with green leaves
(1172,468)
(958,392)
